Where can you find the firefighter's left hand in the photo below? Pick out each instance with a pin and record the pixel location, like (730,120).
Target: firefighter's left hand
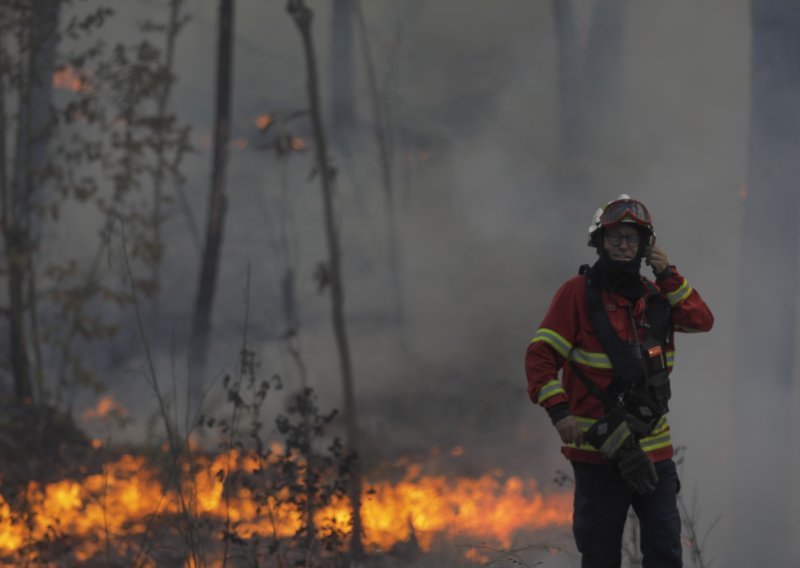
(657,260)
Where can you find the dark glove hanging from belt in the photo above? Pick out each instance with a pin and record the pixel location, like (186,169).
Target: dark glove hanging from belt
(612,437)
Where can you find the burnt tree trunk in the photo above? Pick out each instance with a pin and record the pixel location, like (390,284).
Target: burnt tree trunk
(302,16)
(217,204)
(766,343)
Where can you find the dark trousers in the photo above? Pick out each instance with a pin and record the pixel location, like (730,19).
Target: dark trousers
(602,500)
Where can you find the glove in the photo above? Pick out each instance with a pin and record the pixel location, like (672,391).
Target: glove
(636,467)
(613,438)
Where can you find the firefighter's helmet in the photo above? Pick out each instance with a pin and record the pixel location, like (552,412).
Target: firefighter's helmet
(623,209)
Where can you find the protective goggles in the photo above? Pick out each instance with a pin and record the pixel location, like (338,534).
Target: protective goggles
(617,211)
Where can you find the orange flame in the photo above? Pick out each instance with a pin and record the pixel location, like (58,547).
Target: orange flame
(69,79)
(263,120)
(297,144)
(122,501)
(105,408)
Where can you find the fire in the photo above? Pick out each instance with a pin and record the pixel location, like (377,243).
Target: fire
(105,408)
(297,144)
(484,507)
(262,121)
(118,507)
(69,79)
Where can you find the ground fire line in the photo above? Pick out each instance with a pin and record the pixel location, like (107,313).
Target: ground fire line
(108,508)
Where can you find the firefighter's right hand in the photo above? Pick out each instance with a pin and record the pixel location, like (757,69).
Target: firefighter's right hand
(569,430)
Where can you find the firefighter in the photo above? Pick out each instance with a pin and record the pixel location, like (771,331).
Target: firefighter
(609,333)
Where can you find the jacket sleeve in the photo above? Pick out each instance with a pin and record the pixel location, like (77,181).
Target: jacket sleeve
(689,312)
(549,349)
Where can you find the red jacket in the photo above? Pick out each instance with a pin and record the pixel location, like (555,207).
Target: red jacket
(566,331)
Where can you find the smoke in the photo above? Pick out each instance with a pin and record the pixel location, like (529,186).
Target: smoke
(486,238)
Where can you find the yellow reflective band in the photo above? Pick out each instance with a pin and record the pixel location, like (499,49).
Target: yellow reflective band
(597,360)
(660,438)
(652,443)
(583,447)
(585,424)
(554,340)
(662,426)
(549,389)
(680,294)
(590,359)
(615,440)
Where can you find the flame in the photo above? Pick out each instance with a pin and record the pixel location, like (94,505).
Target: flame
(262,121)
(488,506)
(121,502)
(105,408)
(297,144)
(69,79)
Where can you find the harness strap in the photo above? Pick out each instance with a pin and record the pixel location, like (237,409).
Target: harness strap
(626,362)
(616,349)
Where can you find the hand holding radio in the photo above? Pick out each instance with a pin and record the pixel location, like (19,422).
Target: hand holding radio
(656,258)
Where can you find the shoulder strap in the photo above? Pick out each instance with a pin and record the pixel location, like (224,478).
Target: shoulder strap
(659,313)
(592,388)
(616,349)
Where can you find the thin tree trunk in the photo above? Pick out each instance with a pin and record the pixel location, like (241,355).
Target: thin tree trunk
(215,223)
(45,25)
(173,27)
(343,113)
(380,132)
(17,233)
(766,343)
(302,16)
(37,43)
(568,80)
(588,93)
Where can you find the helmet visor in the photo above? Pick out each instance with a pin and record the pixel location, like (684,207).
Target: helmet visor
(618,211)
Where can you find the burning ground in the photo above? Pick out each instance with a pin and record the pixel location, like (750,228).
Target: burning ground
(180,506)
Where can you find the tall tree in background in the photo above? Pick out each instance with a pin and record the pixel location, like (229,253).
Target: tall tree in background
(589,89)
(81,120)
(382,136)
(330,273)
(343,113)
(217,203)
(166,166)
(766,343)
(37,39)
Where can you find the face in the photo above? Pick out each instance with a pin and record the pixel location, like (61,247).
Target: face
(627,240)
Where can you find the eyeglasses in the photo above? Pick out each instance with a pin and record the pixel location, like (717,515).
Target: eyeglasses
(616,211)
(615,240)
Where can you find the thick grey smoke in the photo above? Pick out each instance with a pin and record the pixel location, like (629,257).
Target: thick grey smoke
(486,237)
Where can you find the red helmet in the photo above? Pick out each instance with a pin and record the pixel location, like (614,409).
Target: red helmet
(621,210)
